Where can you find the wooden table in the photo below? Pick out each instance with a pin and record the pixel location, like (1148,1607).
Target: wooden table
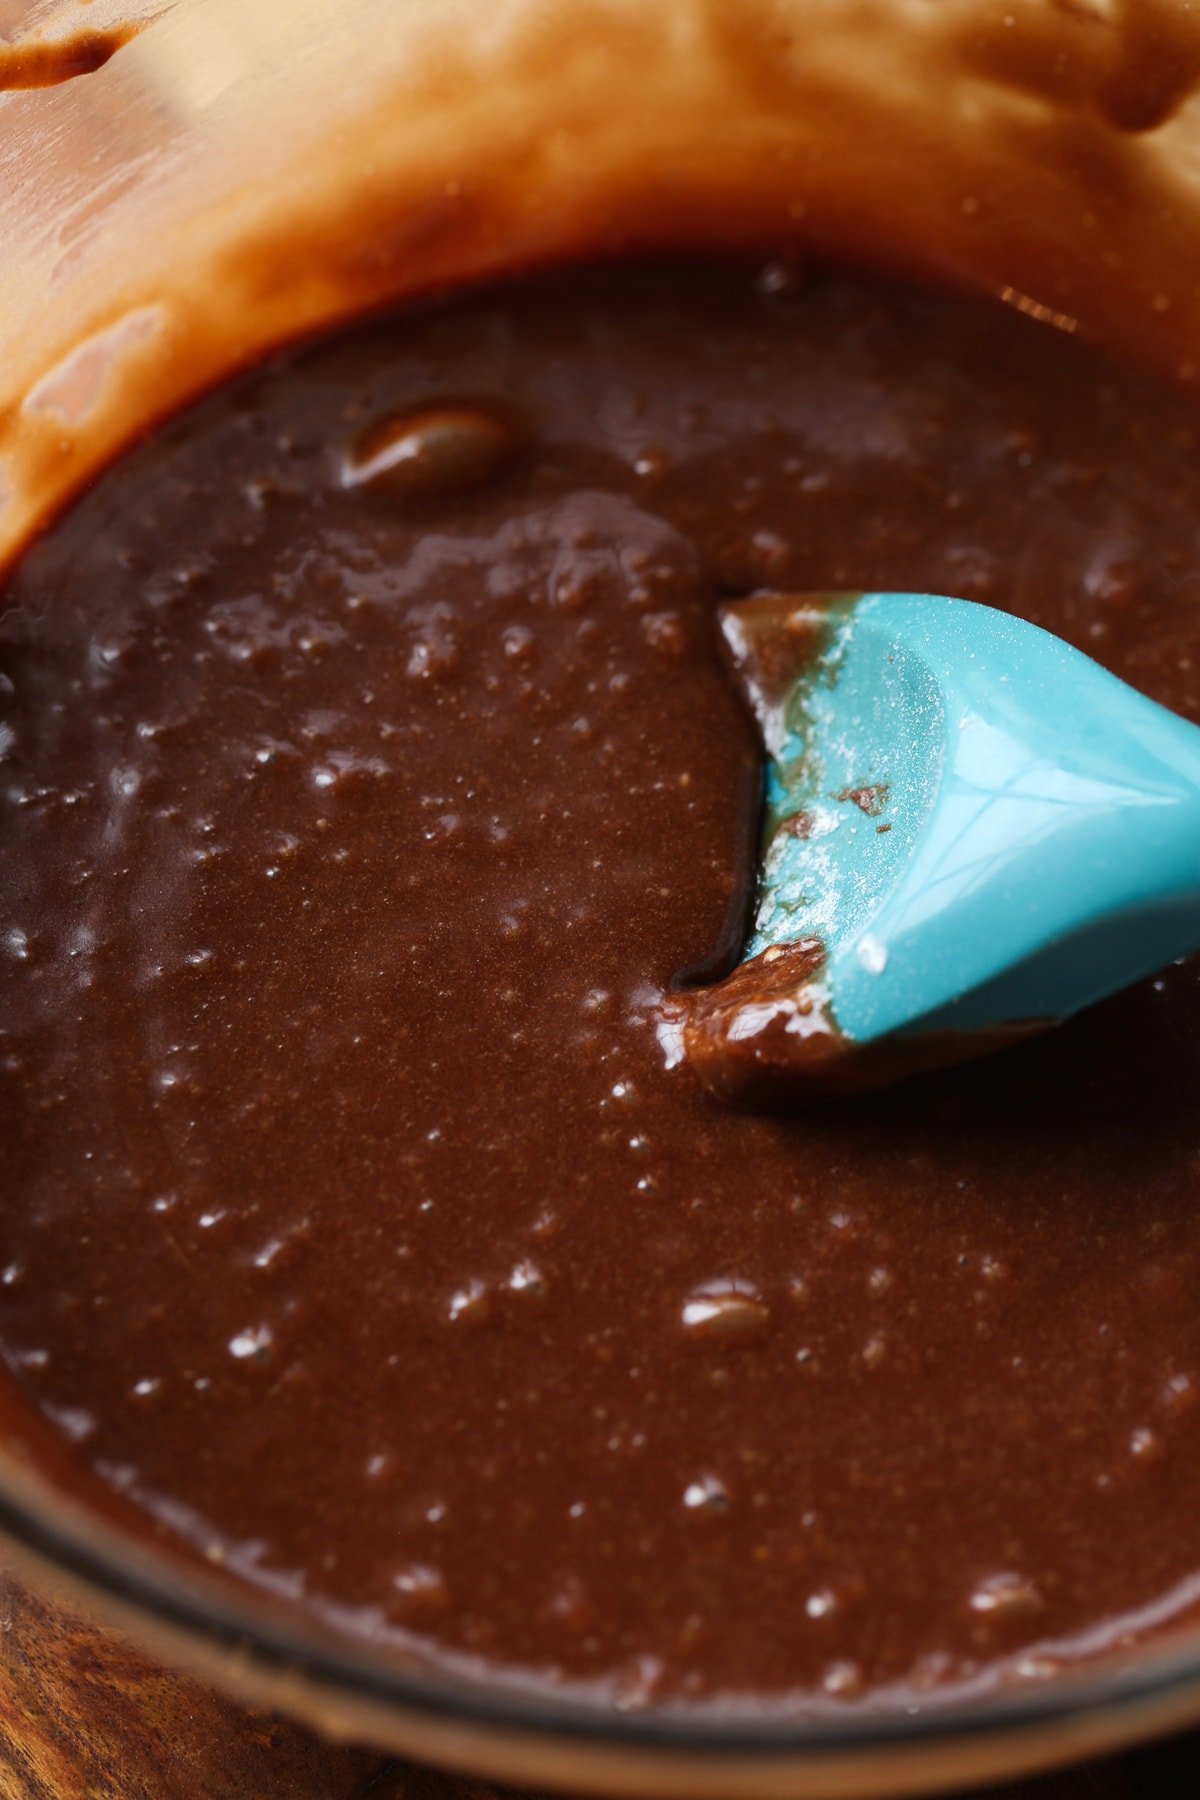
(84,1716)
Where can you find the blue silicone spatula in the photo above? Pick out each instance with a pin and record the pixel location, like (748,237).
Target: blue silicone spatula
(972,831)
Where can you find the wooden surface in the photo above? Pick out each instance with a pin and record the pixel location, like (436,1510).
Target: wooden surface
(83,1716)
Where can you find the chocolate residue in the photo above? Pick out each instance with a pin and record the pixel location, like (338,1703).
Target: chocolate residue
(429,452)
(1135,62)
(766,1029)
(771,638)
(48,63)
(766,1037)
(870,800)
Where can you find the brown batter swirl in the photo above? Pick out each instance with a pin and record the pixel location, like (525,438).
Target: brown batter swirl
(369,771)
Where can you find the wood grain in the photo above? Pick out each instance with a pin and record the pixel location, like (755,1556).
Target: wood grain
(84,1716)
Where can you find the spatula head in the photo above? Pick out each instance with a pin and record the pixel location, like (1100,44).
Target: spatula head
(971,832)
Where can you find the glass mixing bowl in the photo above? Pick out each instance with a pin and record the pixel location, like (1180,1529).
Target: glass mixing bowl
(236,177)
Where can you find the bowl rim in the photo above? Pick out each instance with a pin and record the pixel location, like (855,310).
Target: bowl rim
(151,1587)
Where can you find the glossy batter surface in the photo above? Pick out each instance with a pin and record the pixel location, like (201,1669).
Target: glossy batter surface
(369,771)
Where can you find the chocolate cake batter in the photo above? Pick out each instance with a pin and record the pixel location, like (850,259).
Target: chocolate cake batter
(370,773)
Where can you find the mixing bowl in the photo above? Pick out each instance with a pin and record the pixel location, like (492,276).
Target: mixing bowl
(218,180)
